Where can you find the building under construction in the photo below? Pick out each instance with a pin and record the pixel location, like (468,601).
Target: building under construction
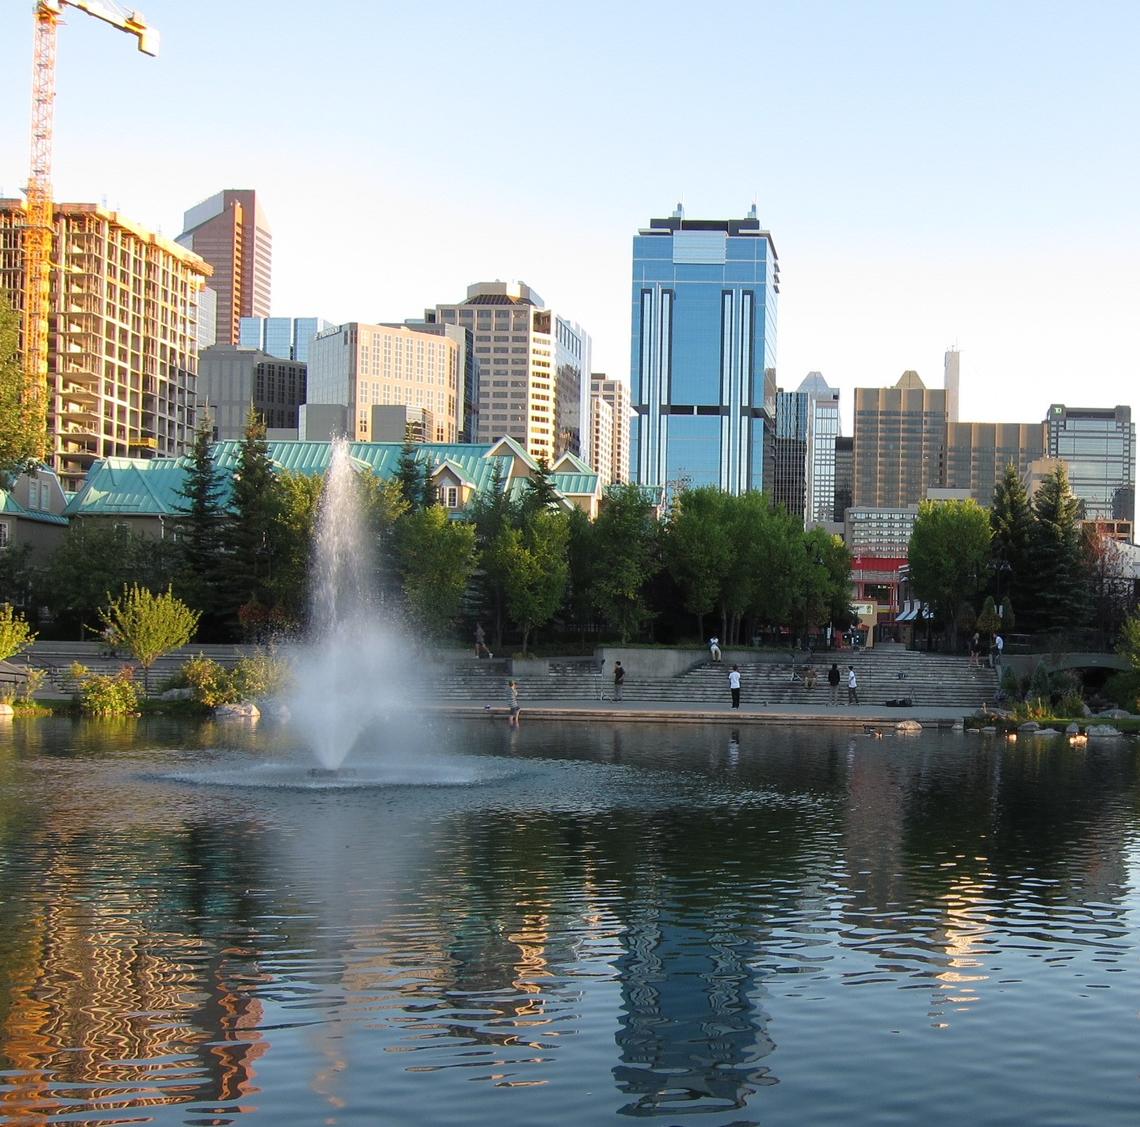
(122,334)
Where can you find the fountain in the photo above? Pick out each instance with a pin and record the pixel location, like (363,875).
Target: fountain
(354,670)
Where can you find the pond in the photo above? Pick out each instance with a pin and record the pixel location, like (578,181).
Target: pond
(569,924)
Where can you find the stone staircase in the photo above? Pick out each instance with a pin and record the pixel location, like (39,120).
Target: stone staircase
(59,658)
(884,674)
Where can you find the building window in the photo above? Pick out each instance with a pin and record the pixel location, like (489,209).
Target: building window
(450,496)
(4,534)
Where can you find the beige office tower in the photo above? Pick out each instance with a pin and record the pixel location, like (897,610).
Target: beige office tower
(122,336)
(977,454)
(533,369)
(230,231)
(950,381)
(899,443)
(363,366)
(610,411)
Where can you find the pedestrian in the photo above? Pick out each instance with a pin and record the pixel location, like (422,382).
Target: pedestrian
(999,646)
(619,679)
(833,681)
(852,686)
(481,642)
(976,651)
(734,685)
(516,711)
(714,648)
(809,678)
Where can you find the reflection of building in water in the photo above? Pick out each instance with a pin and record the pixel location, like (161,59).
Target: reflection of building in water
(97,999)
(963,934)
(691,1030)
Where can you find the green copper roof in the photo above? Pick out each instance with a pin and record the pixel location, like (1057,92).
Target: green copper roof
(9,504)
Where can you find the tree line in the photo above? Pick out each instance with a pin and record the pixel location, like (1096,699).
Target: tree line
(238,554)
(1024,564)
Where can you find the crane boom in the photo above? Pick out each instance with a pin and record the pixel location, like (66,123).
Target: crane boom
(38,228)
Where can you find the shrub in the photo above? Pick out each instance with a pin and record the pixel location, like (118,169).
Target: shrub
(209,681)
(259,675)
(1039,683)
(103,695)
(1010,685)
(33,683)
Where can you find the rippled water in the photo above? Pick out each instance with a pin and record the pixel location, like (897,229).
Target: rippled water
(569,925)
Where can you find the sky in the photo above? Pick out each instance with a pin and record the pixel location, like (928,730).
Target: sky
(934,174)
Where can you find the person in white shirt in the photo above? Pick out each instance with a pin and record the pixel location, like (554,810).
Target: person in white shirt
(852,686)
(734,685)
(714,648)
(999,645)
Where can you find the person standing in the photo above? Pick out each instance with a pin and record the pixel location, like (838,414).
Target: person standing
(714,648)
(999,646)
(734,685)
(852,686)
(481,641)
(619,679)
(833,681)
(516,711)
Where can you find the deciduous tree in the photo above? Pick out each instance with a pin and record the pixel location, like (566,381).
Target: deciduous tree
(23,439)
(15,633)
(149,625)
(437,556)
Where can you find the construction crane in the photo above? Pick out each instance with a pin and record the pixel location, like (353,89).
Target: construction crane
(40,218)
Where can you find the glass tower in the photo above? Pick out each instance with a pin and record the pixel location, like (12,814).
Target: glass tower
(1099,448)
(287,338)
(703,376)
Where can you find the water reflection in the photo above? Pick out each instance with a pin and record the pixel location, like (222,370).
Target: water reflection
(618,929)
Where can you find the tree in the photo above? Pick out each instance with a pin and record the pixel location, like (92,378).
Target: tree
(1061,596)
(492,513)
(23,438)
(1011,523)
(15,634)
(300,499)
(252,532)
(411,474)
(94,559)
(437,558)
(149,625)
(201,530)
(535,570)
(697,549)
(949,548)
(539,491)
(989,621)
(628,558)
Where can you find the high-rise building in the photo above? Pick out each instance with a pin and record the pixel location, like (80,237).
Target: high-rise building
(822,433)
(1099,447)
(122,344)
(900,442)
(844,475)
(614,395)
(287,338)
(230,231)
(978,453)
(950,382)
(789,452)
(703,378)
(533,368)
(232,379)
(363,366)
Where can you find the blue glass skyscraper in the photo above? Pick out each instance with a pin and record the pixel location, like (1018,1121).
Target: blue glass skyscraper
(703,371)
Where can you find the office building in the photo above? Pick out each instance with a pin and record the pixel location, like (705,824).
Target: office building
(122,345)
(287,338)
(1099,447)
(899,442)
(533,368)
(844,475)
(230,231)
(359,366)
(468,368)
(232,379)
(822,434)
(703,379)
(978,453)
(612,394)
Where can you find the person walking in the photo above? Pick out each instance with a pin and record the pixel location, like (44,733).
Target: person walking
(734,685)
(976,651)
(516,711)
(852,686)
(714,649)
(619,679)
(999,646)
(833,681)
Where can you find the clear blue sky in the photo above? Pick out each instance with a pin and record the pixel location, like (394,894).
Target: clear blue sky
(932,172)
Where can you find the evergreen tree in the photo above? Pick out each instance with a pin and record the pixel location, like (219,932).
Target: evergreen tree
(540,492)
(1011,547)
(201,532)
(493,513)
(251,534)
(1061,597)
(411,474)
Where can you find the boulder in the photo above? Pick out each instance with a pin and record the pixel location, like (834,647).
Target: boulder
(1102,731)
(243,710)
(989,730)
(1029,727)
(6,711)
(908,726)
(957,726)
(177,694)
(1115,714)
(1073,730)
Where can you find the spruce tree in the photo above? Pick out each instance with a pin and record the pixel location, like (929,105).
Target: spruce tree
(411,474)
(1060,600)
(1011,548)
(200,533)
